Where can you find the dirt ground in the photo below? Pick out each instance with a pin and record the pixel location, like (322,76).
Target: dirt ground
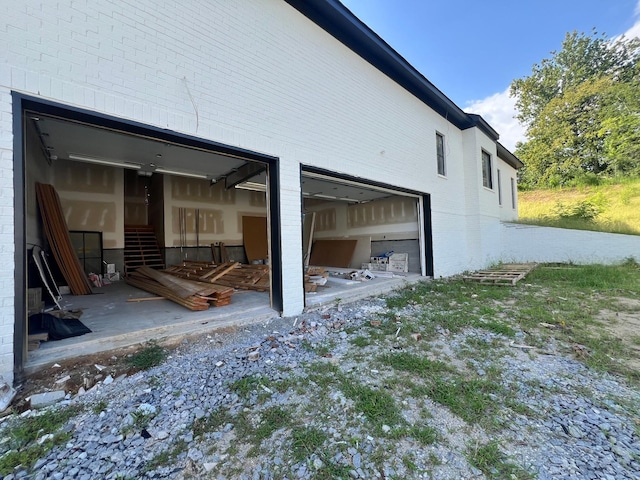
(624,324)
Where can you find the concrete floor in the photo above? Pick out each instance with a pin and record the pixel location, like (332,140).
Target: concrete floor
(117,323)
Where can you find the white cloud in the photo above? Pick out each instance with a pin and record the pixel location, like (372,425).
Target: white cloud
(499,110)
(634,31)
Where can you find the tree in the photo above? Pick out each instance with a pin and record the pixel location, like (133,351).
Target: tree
(581,108)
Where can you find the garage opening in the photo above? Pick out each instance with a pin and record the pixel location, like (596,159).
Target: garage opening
(146,212)
(360,238)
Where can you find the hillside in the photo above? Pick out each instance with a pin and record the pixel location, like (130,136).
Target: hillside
(609,207)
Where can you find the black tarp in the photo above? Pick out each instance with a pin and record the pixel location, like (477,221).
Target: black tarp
(57,328)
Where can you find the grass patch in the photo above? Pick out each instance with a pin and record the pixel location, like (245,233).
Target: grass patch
(618,207)
(306,441)
(377,406)
(409,362)
(151,355)
(22,435)
(271,420)
(243,387)
(361,341)
(167,457)
(493,463)
(212,422)
(424,435)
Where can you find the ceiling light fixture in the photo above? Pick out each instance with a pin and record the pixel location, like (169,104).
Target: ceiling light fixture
(103,161)
(253,186)
(181,174)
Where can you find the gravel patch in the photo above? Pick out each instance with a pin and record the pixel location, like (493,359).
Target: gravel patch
(272,402)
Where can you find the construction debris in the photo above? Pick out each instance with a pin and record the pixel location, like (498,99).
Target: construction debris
(505,274)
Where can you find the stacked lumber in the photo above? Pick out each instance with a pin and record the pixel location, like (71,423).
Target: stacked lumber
(230,274)
(195,296)
(57,233)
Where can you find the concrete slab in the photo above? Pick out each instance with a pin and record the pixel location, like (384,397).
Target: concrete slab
(118,323)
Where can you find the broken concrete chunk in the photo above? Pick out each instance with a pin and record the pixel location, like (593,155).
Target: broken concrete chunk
(40,400)
(253,356)
(63,379)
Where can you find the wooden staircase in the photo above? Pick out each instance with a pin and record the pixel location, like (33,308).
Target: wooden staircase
(141,248)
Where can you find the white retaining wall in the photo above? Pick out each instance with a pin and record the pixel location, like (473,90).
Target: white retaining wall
(529,243)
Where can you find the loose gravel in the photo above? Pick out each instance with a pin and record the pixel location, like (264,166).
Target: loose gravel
(570,423)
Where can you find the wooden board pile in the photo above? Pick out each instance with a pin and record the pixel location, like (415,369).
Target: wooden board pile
(55,227)
(507,274)
(230,274)
(193,295)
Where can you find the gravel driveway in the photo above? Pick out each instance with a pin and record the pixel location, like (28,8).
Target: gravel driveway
(361,390)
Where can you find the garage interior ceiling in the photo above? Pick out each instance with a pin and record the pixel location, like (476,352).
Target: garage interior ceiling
(69,140)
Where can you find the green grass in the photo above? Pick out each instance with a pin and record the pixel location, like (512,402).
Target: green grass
(151,355)
(409,362)
(378,407)
(22,434)
(167,457)
(306,441)
(493,463)
(619,204)
(212,422)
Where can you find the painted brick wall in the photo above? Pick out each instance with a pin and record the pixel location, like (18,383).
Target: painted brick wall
(251,73)
(529,243)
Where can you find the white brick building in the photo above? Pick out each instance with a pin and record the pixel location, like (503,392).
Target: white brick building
(300,87)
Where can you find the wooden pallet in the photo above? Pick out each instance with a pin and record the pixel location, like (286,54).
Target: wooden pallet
(506,274)
(141,248)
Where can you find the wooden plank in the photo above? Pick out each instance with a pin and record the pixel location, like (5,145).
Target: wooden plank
(333,253)
(57,233)
(254,238)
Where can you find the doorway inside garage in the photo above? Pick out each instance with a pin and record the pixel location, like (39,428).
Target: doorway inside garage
(361,237)
(135,202)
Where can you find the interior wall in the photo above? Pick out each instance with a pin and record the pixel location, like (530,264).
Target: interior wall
(393,218)
(220,211)
(92,198)
(37,169)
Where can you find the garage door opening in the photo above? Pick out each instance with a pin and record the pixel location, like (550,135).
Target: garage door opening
(137,202)
(361,238)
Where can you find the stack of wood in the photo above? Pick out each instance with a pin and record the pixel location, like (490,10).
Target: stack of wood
(55,228)
(230,274)
(193,295)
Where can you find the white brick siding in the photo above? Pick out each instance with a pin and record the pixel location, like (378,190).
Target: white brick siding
(262,77)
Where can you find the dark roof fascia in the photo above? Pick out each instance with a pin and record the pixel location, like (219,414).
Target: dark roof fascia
(338,21)
(481,123)
(509,157)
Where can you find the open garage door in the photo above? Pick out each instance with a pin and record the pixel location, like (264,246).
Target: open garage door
(146,212)
(358,235)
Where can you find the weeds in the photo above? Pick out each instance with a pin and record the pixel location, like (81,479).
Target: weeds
(30,438)
(493,463)
(151,355)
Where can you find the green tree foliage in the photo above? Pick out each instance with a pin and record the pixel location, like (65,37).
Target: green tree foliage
(581,108)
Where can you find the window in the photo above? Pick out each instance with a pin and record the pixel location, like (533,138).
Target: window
(487,179)
(499,187)
(513,193)
(440,153)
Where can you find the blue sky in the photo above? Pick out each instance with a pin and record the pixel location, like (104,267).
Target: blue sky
(472,50)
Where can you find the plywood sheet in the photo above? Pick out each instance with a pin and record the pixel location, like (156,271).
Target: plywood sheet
(333,253)
(254,238)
